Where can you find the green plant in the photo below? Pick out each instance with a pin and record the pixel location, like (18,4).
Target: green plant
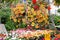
(56,20)
(5,18)
(58,1)
(10,25)
(4,14)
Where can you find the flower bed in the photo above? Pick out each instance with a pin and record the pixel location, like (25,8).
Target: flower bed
(28,34)
(23,34)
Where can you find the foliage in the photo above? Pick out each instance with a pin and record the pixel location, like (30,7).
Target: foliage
(57,20)
(57,2)
(4,14)
(10,25)
(5,18)
(9,1)
(59,10)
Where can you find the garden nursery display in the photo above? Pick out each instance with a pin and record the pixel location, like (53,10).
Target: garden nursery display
(28,20)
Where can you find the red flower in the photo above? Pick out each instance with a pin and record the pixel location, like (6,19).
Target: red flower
(36,7)
(34,1)
(49,7)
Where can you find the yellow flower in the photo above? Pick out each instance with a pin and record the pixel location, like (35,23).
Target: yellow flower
(18,5)
(22,12)
(16,12)
(38,12)
(36,34)
(29,12)
(40,20)
(32,24)
(46,22)
(24,20)
(42,6)
(32,19)
(41,15)
(17,8)
(29,8)
(46,16)
(14,9)
(12,17)
(31,16)
(18,21)
(15,20)
(32,10)
(34,13)
(22,8)
(47,37)
(37,26)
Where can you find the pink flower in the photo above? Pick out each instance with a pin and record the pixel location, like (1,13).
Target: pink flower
(56,39)
(20,30)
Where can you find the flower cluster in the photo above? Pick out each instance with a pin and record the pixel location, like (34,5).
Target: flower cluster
(36,17)
(17,12)
(30,33)
(29,16)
